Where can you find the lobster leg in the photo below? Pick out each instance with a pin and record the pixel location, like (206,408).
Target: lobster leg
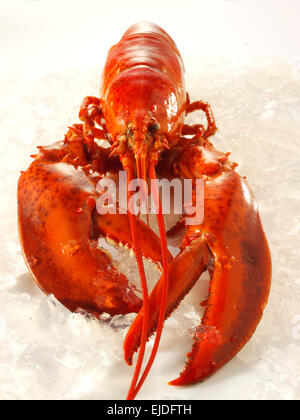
(199,128)
(231,244)
(90,110)
(91,113)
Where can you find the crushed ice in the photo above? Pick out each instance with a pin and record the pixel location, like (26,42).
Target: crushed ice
(46,352)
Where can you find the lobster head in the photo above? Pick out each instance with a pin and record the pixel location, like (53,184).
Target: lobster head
(143,78)
(153,124)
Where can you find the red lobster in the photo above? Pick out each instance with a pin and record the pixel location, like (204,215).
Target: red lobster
(141,113)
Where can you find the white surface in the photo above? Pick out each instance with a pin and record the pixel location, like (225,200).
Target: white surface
(243,58)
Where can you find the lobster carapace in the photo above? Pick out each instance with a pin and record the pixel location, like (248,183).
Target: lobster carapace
(141,112)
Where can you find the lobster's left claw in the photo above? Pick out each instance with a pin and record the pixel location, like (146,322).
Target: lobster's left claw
(231,244)
(239,289)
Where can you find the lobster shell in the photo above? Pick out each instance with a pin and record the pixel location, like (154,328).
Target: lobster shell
(141,113)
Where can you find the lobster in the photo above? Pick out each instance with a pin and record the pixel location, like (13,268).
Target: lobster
(141,113)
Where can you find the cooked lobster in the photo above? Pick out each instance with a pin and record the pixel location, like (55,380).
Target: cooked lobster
(141,113)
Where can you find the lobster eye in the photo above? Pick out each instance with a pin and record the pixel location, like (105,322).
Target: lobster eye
(153,127)
(129,132)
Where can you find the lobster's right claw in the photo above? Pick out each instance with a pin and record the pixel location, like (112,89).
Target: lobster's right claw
(231,244)
(59,232)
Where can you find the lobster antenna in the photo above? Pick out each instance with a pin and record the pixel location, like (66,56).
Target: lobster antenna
(144,177)
(138,170)
(138,254)
(141,174)
(163,304)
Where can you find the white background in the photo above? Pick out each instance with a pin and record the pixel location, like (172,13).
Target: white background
(55,34)
(241,56)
